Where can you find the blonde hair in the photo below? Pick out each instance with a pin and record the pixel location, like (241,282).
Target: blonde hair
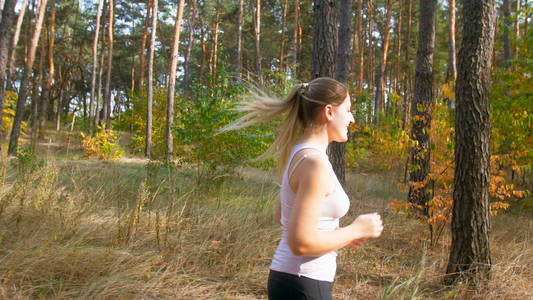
(301,105)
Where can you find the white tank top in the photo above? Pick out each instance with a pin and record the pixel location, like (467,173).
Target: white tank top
(335,206)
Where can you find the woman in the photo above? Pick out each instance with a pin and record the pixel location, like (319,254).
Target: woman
(311,200)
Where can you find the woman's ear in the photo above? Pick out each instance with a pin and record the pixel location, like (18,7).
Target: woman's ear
(328,112)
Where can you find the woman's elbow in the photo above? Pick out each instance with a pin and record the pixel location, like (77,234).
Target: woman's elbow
(299,248)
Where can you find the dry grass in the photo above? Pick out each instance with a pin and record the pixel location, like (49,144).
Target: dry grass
(123,230)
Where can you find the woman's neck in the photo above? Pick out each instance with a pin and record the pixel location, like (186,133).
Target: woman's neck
(316,136)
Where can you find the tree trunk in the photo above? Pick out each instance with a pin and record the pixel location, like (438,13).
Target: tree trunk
(451,74)
(214,47)
(143,45)
(506,30)
(419,155)
(107,95)
(324,53)
(15,39)
(517,27)
(470,251)
(23,92)
(361,51)
(379,97)
(172,82)
(8,14)
(282,39)
(337,151)
(257,39)
(397,71)
(202,45)
(406,84)
(45,99)
(239,41)
(148,149)
(92,114)
(370,72)
(295,35)
(186,68)
(98,116)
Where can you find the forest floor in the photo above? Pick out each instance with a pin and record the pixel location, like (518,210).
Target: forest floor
(72,228)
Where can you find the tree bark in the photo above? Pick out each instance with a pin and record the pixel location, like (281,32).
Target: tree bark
(186,65)
(172,82)
(23,93)
(451,74)
(45,97)
(98,116)
(370,72)
(470,251)
(379,97)
(214,46)
(337,151)
(295,35)
(506,30)
(420,153)
(8,14)
(239,41)
(143,45)
(406,83)
(15,39)
(148,149)
(107,92)
(517,27)
(257,39)
(92,114)
(202,44)
(361,51)
(282,39)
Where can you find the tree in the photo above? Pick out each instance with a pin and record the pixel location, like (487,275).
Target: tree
(337,151)
(379,100)
(15,39)
(23,92)
(296,25)
(148,149)
(282,39)
(239,41)
(257,39)
(143,45)
(94,66)
(506,30)
(8,14)
(191,13)
(451,73)
(107,91)
(470,251)
(420,153)
(361,52)
(45,96)
(172,81)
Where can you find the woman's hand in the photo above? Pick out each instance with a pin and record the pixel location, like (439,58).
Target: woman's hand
(368,225)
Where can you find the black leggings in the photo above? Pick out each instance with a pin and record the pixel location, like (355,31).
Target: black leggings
(283,286)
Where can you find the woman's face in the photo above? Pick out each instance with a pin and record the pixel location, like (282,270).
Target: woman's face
(340,118)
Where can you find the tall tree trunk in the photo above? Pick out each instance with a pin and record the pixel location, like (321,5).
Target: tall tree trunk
(107,95)
(148,149)
(506,30)
(172,82)
(337,151)
(282,39)
(397,71)
(295,35)
(470,250)
(143,45)
(92,114)
(406,76)
(14,42)
(420,154)
(361,51)
(517,27)
(257,39)
(379,97)
(45,99)
(324,53)
(238,62)
(23,93)
(98,115)
(186,66)
(214,46)
(8,14)
(37,82)
(370,72)
(451,74)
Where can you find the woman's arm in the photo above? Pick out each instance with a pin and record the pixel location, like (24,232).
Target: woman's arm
(304,238)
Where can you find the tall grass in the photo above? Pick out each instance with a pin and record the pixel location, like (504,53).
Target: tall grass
(101,230)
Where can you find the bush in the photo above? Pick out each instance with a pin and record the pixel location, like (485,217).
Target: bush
(102,145)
